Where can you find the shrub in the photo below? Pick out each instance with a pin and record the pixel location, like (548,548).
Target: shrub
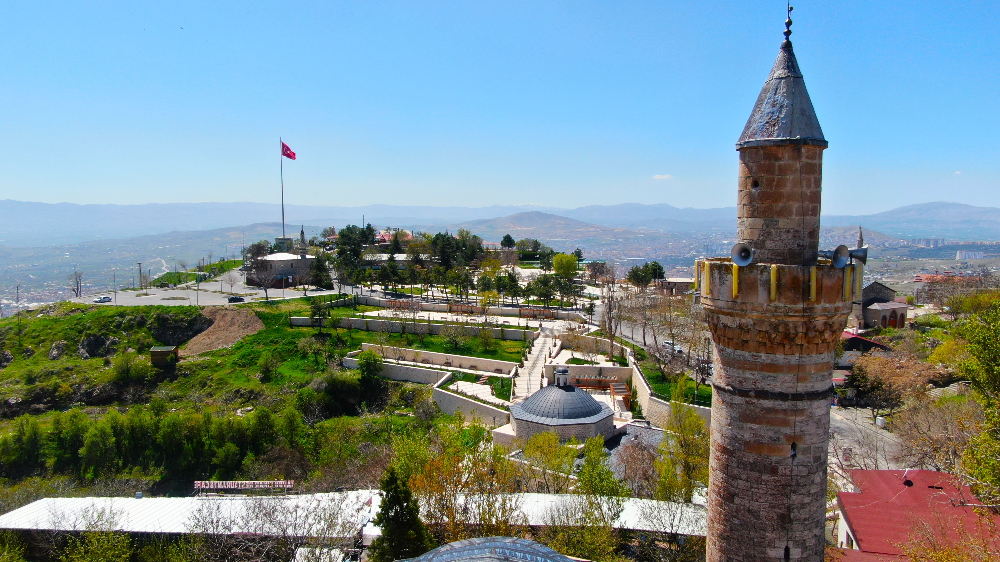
(130,368)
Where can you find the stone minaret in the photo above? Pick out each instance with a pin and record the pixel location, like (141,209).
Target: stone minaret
(775,324)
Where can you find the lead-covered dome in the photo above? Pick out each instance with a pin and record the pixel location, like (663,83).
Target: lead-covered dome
(557,405)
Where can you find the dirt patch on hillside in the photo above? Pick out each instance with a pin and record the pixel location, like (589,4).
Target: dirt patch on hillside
(229,325)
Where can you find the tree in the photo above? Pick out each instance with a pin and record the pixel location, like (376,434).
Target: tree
(404,535)
(369,363)
(565,265)
(508,242)
(656,272)
(230,278)
(258,269)
(319,272)
(583,526)
(639,276)
(373,388)
(934,434)
(683,462)
(454,336)
(545,257)
(553,462)
(351,243)
(76,280)
(579,254)
(328,232)
(982,457)
(544,288)
(395,246)
(98,546)
(598,270)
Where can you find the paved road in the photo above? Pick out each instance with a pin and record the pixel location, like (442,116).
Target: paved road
(857,442)
(206,294)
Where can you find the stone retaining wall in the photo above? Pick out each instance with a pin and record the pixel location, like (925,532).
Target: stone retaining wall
(450,403)
(522,312)
(396,326)
(506,368)
(406,373)
(654,409)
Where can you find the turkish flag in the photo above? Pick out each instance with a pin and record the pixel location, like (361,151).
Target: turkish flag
(287,152)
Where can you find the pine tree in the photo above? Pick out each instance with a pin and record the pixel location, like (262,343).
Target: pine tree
(403,533)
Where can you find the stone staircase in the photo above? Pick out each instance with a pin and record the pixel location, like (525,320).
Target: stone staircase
(530,378)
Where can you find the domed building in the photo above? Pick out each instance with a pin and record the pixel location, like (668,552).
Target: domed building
(562,409)
(492,549)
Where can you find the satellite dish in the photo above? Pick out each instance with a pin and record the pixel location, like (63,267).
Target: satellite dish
(860,254)
(839,257)
(742,255)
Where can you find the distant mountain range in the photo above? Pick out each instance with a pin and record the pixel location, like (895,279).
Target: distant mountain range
(43,224)
(33,257)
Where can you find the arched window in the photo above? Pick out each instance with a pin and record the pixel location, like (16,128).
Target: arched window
(884,322)
(892,319)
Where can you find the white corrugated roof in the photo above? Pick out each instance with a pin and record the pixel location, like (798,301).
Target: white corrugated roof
(637,514)
(334,514)
(297,515)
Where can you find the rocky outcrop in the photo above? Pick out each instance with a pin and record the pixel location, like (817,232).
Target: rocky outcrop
(175,330)
(28,352)
(96,345)
(6,358)
(57,350)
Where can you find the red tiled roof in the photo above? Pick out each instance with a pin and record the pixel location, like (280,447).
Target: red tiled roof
(887,510)
(846,555)
(851,336)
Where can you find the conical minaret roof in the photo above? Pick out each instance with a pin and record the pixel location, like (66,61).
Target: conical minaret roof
(783,113)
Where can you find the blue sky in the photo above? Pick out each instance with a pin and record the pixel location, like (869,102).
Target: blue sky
(481,103)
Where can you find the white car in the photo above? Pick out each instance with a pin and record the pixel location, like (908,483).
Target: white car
(103,299)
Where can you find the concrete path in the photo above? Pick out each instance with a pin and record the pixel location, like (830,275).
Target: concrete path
(530,377)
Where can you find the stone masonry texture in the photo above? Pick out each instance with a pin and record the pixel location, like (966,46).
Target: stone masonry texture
(779,202)
(773,366)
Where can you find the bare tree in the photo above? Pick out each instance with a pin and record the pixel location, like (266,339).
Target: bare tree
(636,467)
(231,278)
(933,434)
(76,283)
(860,447)
(273,527)
(612,297)
(258,271)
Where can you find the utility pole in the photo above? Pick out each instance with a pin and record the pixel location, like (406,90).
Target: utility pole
(140,274)
(114,283)
(17,308)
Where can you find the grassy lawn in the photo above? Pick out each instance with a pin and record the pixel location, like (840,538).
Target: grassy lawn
(501,386)
(665,388)
(178,277)
(578,361)
(409,290)
(502,351)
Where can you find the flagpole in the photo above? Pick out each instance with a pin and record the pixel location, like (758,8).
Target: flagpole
(281,165)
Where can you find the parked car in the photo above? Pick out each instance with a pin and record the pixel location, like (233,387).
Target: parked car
(235,299)
(103,299)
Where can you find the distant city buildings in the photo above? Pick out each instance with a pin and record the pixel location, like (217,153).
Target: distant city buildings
(965,255)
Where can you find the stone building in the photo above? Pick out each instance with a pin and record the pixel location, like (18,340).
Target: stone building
(563,409)
(875,306)
(775,324)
